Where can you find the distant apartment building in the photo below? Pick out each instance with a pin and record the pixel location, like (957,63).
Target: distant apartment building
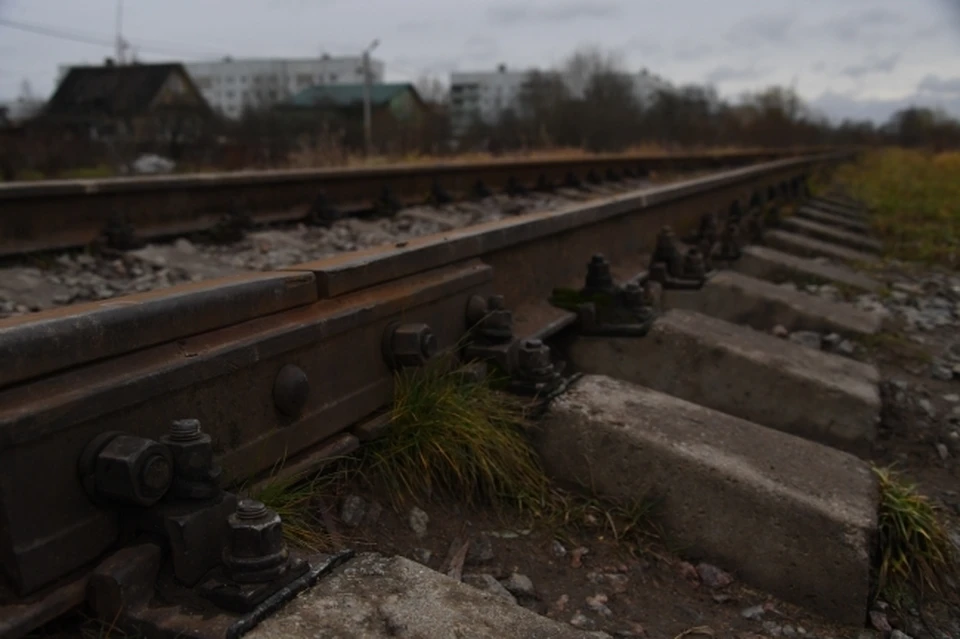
(232,85)
(484,95)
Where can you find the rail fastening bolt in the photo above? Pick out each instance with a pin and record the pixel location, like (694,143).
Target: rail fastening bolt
(250,509)
(157,473)
(184,430)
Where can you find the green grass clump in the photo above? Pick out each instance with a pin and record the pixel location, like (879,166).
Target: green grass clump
(455,436)
(914,197)
(917,558)
(896,344)
(298,501)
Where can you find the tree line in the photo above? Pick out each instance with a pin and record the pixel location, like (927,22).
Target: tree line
(607,115)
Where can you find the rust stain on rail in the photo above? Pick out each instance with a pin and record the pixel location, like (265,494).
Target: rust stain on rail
(63,214)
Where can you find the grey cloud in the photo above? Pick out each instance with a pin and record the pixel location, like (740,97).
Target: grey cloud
(643,46)
(842,106)
(856,25)
(481,47)
(563,11)
(820,67)
(873,64)
(418,26)
(772,28)
(952,8)
(691,52)
(727,73)
(933,84)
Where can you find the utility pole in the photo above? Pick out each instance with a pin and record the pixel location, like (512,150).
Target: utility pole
(367,116)
(120,44)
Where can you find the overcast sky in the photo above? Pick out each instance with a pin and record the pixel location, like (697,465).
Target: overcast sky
(847,57)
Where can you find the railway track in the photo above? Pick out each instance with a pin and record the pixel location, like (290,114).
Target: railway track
(146,412)
(56,215)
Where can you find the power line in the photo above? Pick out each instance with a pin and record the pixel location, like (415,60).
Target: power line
(83,38)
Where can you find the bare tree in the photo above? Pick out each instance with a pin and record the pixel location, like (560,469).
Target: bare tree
(432,89)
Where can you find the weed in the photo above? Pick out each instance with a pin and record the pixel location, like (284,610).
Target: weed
(897,344)
(297,500)
(628,522)
(457,437)
(915,201)
(916,556)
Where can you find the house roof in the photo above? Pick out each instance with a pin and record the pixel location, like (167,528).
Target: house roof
(113,90)
(349,95)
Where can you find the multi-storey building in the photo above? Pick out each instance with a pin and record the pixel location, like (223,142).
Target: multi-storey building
(485,95)
(232,85)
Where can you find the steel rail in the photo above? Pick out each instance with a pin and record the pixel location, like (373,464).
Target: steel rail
(292,365)
(54,215)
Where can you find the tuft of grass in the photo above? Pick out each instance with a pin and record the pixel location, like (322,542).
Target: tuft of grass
(896,344)
(298,502)
(917,558)
(455,436)
(629,522)
(914,197)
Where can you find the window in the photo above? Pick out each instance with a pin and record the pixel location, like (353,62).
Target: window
(243,79)
(228,95)
(333,77)
(230,79)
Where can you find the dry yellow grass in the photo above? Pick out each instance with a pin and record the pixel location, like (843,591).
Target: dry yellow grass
(915,201)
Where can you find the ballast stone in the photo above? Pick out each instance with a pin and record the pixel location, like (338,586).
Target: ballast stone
(789,516)
(734,369)
(372,596)
(760,304)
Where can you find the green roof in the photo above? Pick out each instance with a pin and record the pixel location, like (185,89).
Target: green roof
(348,95)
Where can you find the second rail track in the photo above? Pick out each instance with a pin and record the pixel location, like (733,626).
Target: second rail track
(57,215)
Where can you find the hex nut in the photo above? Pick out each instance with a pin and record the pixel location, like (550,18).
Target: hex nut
(133,470)
(490,317)
(257,551)
(410,345)
(534,356)
(193,458)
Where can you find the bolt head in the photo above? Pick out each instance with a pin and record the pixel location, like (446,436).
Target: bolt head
(133,470)
(412,344)
(157,473)
(291,390)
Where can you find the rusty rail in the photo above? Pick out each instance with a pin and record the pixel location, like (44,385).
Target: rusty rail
(52,215)
(294,364)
